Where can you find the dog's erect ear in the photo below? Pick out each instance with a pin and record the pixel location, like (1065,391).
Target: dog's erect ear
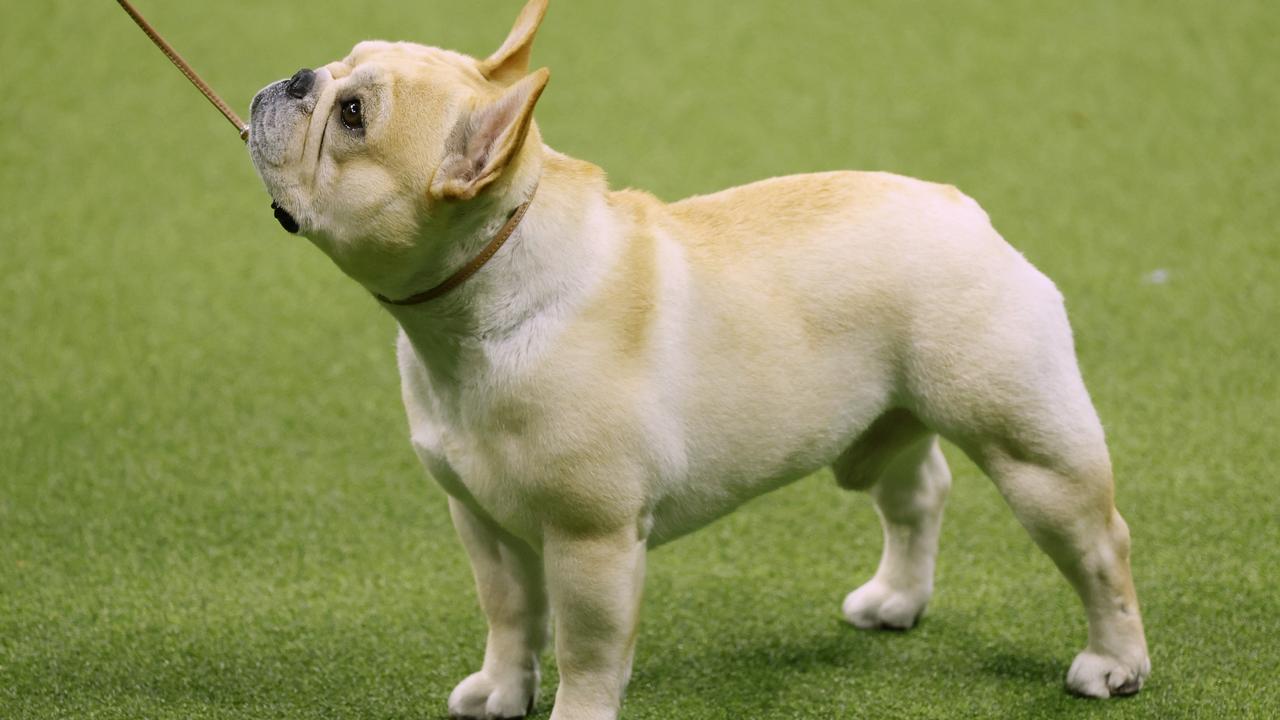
(487,139)
(511,61)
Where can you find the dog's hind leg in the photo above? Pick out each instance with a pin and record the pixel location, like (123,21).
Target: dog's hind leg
(900,463)
(1012,397)
(1069,512)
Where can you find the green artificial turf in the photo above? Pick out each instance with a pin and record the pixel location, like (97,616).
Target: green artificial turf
(208,504)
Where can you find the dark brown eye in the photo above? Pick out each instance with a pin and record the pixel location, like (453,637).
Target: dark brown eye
(351,116)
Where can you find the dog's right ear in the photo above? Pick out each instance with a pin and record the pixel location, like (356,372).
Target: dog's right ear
(511,61)
(487,139)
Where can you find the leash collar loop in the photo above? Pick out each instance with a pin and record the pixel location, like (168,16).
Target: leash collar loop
(471,268)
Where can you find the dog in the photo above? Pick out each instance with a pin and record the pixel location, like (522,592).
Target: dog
(591,373)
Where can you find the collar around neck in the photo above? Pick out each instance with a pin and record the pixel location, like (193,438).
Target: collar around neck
(466,271)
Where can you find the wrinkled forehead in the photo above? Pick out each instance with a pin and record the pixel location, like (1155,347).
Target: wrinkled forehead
(377,57)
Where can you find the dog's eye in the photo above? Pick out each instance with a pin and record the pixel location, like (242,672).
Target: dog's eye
(351,116)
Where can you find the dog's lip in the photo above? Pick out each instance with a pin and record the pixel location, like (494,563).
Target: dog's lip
(285,218)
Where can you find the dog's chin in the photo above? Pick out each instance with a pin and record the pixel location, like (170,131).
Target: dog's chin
(276,190)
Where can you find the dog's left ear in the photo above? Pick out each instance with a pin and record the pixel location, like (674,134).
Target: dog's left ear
(487,139)
(511,61)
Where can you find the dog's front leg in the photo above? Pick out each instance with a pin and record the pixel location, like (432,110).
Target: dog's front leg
(513,596)
(594,581)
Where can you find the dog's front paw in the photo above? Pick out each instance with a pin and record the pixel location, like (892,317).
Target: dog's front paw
(1101,676)
(876,605)
(485,697)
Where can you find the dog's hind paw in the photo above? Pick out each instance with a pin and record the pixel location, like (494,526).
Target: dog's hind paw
(875,605)
(482,697)
(1100,676)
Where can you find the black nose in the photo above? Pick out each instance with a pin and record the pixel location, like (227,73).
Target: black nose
(300,84)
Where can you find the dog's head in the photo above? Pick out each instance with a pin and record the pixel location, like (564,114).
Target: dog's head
(375,156)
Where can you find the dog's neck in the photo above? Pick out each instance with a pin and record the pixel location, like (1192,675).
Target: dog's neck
(545,267)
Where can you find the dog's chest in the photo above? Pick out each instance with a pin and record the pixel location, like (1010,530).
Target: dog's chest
(479,458)
(525,453)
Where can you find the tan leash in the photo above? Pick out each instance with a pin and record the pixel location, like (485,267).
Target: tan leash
(182,65)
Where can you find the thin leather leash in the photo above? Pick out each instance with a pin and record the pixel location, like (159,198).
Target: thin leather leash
(472,267)
(182,65)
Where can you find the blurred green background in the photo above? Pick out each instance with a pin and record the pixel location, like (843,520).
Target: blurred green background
(208,504)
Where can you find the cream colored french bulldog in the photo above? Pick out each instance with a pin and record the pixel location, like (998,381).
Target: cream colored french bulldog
(591,373)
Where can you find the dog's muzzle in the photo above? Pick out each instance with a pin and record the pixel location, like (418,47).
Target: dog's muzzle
(274,114)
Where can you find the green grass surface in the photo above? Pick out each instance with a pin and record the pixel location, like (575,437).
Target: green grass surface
(208,504)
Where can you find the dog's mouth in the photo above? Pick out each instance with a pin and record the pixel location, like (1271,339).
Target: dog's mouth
(284,218)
